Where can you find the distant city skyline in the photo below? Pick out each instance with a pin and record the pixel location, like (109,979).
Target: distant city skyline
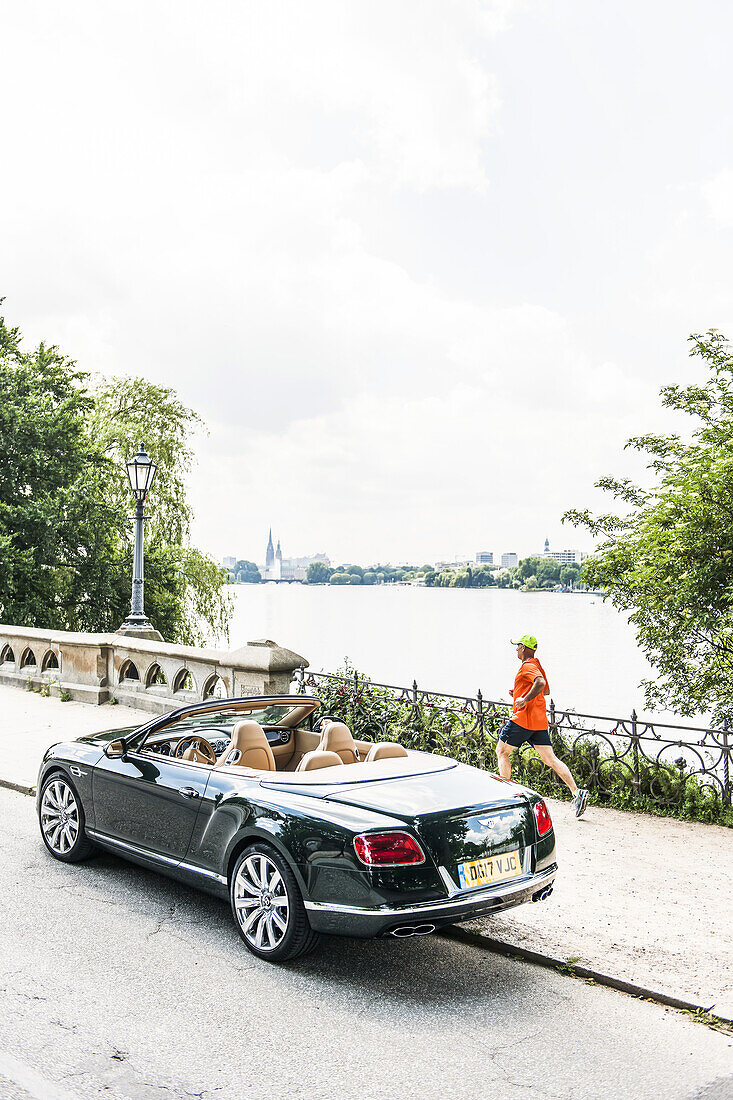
(580,546)
(273,566)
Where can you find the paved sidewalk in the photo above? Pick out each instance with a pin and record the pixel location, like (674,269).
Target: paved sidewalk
(642,899)
(29,723)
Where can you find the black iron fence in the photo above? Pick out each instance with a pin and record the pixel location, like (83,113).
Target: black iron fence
(631,763)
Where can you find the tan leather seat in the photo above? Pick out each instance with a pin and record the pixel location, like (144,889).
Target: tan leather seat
(337,738)
(248,748)
(318,759)
(384,750)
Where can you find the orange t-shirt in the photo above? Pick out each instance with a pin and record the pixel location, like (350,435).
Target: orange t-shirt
(533,715)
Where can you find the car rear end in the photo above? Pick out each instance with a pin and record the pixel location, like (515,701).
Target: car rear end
(488,859)
(446,865)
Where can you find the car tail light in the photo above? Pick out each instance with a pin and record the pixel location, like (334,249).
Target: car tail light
(388,849)
(542,814)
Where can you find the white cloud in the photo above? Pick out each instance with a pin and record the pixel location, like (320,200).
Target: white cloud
(396,468)
(379,247)
(151,88)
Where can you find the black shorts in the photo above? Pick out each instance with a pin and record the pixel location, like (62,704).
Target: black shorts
(515,735)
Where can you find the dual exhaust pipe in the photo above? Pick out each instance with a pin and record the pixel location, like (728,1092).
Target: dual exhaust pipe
(406,930)
(403,931)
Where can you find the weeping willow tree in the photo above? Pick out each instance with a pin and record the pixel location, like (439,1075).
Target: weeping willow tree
(65,504)
(125,412)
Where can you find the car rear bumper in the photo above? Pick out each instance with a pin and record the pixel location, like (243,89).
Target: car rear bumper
(352,920)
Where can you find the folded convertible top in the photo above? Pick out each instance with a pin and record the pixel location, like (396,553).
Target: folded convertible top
(323,781)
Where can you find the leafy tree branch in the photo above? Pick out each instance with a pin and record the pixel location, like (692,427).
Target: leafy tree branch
(668,561)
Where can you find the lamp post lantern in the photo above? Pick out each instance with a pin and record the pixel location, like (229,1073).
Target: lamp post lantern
(141,471)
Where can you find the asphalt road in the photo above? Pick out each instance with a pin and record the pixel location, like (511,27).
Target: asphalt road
(118,983)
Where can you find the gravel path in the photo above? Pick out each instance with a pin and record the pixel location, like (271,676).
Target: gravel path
(645,899)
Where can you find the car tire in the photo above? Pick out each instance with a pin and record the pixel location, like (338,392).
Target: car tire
(267,906)
(62,820)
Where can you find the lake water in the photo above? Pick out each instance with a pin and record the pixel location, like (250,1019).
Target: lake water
(452,639)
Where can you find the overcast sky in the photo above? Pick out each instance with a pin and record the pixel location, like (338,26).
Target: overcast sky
(421,266)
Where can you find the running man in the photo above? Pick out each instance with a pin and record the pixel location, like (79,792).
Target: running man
(529,721)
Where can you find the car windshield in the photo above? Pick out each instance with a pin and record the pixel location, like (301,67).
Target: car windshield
(223,717)
(274,714)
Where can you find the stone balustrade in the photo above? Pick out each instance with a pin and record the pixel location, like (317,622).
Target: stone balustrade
(154,676)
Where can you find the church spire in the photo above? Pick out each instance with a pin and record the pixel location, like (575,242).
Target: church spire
(270,554)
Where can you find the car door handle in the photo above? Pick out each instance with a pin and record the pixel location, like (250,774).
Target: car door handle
(188,792)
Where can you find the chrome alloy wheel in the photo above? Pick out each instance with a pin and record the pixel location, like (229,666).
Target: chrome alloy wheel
(261,902)
(60,817)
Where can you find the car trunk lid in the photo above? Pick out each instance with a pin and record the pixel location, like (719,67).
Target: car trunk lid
(489,843)
(453,789)
(462,816)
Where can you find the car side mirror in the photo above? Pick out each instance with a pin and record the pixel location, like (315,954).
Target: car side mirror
(117,749)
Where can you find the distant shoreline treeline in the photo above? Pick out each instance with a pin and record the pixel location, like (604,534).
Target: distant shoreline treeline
(530,575)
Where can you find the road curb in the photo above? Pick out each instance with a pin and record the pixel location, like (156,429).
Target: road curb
(17,787)
(501,947)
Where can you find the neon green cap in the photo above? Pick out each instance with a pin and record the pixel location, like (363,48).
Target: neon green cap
(527,640)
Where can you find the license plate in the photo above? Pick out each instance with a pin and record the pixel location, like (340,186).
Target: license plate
(482,872)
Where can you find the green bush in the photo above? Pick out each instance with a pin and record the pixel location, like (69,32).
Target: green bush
(451,727)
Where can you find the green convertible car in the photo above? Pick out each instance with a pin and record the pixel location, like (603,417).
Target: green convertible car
(302,828)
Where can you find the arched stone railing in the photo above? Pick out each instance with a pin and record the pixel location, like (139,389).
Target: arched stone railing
(128,671)
(154,676)
(50,663)
(184,686)
(184,681)
(28,661)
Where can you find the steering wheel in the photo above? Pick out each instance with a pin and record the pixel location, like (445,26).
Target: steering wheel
(200,744)
(320,722)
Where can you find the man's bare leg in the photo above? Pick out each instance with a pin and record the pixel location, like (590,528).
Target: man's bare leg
(504,756)
(547,756)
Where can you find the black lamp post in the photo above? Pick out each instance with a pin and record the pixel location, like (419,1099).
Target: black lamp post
(141,471)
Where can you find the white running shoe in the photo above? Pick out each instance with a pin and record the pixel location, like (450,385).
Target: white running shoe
(580,801)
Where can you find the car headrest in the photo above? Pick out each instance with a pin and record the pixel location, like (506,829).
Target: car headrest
(337,738)
(318,759)
(384,750)
(248,748)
